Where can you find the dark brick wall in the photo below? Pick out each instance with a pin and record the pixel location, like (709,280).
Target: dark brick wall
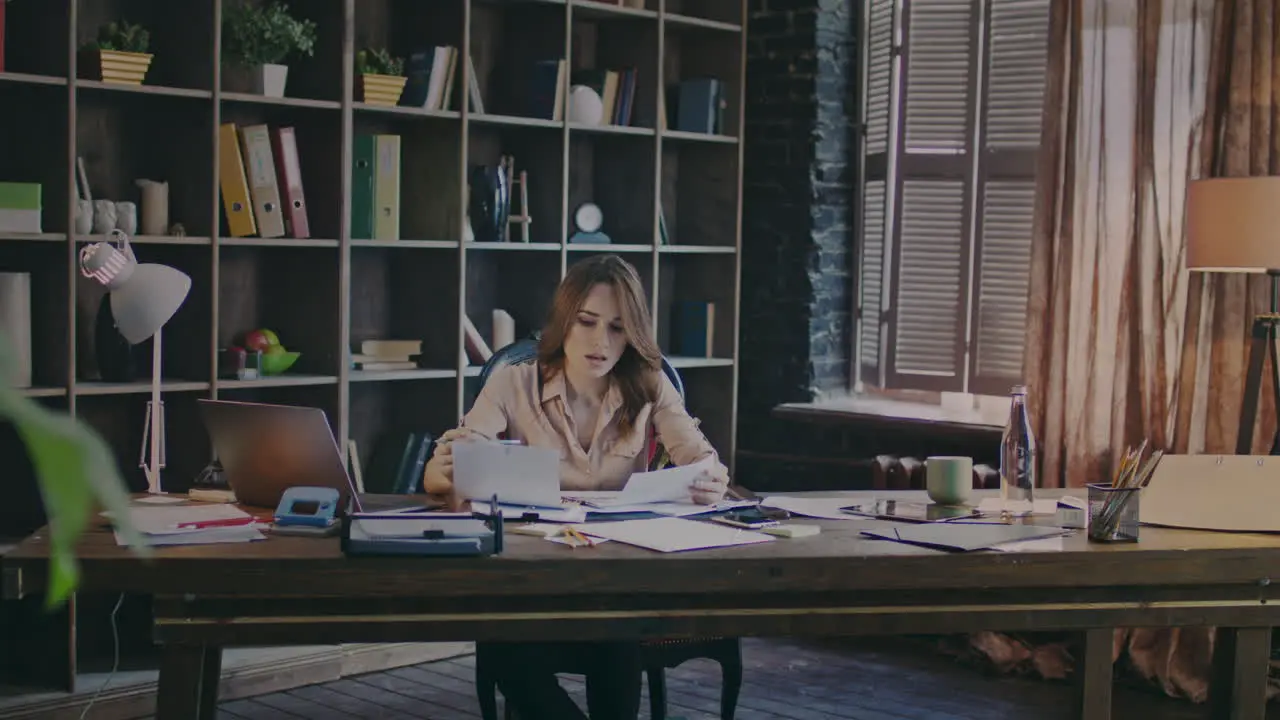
(797,221)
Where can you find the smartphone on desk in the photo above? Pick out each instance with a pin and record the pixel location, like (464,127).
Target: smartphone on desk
(752,518)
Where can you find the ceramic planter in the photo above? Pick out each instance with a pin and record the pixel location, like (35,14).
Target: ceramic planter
(268,79)
(116,66)
(381,89)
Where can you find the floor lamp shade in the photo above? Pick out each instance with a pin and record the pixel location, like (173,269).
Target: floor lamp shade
(1233,224)
(143,296)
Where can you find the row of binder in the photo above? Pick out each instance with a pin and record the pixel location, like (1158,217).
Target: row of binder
(261,184)
(260,180)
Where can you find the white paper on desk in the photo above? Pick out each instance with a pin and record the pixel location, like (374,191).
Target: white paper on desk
(208,536)
(814,507)
(1043,506)
(567,513)
(604,502)
(1048,544)
(671,485)
(670,534)
(164,519)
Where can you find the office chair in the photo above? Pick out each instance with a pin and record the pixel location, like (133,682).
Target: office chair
(656,655)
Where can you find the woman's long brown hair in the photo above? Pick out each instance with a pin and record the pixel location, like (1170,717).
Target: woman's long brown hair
(635,371)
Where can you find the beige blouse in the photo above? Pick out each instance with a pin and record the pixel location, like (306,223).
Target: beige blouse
(510,403)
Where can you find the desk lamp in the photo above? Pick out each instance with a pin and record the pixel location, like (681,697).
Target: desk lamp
(1233,226)
(143,298)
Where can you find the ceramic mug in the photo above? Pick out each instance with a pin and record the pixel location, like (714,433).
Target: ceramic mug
(104,216)
(84,217)
(948,479)
(127,217)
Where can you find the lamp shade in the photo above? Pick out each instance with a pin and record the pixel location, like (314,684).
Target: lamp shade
(143,296)
(1233,224)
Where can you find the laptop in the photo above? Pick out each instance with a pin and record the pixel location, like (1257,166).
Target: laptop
(265,449)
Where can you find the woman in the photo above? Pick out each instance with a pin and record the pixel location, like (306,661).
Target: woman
(596,387)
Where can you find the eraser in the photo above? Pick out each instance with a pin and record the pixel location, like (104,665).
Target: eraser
(792,531)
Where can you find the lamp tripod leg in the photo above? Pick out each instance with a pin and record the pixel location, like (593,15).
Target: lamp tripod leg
(1262,336)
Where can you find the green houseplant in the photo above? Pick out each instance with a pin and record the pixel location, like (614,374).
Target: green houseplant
(381,76)
(256,40)
(120,52)
(76,472)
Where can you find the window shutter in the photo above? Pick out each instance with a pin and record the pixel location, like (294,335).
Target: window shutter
(875,230)
(933,184)
(931,279)
(940,44)
(1016,63)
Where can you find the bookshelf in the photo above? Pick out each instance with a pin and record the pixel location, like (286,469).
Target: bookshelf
(326,293)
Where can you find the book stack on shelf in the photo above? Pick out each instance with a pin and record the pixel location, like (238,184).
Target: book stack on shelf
(414,218)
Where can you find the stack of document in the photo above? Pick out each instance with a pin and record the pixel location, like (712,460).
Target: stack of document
(196,524)
(661,492)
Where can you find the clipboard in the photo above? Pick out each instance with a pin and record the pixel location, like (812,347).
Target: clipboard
(1230,493)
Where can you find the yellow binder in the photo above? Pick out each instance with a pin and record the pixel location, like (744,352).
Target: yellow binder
(234,185)
(386,187)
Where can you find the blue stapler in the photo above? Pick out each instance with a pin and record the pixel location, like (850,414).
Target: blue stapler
(307,511)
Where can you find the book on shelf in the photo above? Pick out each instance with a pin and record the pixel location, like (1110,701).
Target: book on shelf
(616,89)
(378,355)
(431,76)
(693,328)
(695,105)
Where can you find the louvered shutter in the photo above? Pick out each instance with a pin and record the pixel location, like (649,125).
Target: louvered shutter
(875,230)
(933,185)
(1016,59)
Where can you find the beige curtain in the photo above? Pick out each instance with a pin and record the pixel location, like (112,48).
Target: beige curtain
(1241,138)
(1126,96)
(1124,344)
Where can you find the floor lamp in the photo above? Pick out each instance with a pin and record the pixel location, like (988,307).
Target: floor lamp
(1233,225)
(143,298)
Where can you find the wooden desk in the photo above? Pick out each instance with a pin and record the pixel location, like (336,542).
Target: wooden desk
(290,590)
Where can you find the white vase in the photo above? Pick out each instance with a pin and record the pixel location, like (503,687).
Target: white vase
(270,79)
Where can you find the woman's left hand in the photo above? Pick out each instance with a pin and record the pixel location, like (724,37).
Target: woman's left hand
(710,486)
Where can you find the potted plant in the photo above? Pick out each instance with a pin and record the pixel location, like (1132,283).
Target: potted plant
(381,77)
(119,53)
(256,39)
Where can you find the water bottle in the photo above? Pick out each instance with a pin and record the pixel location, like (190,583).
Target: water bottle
(1018,451)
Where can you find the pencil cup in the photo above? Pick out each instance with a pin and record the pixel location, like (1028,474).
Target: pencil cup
(1113,513)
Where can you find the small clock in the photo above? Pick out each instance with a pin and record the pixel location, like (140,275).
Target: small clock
(588,217)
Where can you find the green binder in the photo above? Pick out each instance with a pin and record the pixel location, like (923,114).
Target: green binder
(362,158)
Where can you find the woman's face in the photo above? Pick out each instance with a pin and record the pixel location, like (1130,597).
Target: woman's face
(596,337)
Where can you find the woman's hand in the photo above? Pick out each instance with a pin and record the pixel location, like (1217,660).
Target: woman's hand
(710,485)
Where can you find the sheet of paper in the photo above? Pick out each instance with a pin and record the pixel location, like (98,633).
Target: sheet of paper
(209,536)
(517,474)
(671,534)
(1049,544)
(164,519)
(826,508)
(657,486)
(568,512)
(604,502)
(1043,506)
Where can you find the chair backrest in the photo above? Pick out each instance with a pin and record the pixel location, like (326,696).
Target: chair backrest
(526,350)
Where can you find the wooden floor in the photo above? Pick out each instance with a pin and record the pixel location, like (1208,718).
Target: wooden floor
(865,680)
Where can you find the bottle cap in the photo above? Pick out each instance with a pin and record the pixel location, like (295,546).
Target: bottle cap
(1019,389)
